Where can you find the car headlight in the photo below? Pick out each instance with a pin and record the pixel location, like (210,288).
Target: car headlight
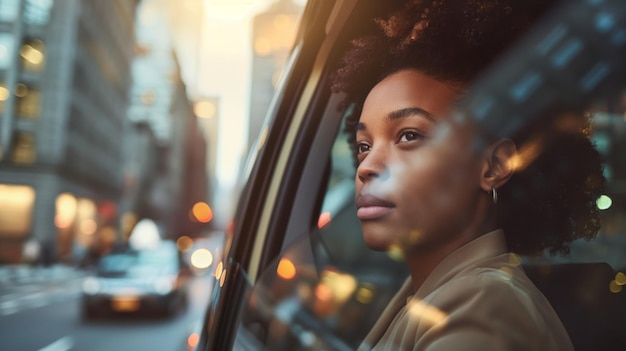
(163,285)
(91,286)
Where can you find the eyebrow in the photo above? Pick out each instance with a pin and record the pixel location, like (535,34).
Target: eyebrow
(404,113)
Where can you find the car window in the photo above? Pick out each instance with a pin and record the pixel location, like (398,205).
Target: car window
(116,264)
(326,289)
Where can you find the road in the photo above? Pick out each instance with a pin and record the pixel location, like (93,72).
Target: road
(47,318)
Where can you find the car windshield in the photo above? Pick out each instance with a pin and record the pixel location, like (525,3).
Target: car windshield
(138,264)
(116,265)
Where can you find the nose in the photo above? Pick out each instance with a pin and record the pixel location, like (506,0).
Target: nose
(373,165)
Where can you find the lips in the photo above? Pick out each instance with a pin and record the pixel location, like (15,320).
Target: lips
(370,207)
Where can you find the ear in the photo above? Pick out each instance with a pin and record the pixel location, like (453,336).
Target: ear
(499,164)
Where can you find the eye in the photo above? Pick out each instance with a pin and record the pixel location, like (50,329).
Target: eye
(409,135)
(362,147)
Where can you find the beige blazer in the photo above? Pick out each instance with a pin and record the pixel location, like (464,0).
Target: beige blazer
(477,298)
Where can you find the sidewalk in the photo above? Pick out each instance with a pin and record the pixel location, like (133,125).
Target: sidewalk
(12,276)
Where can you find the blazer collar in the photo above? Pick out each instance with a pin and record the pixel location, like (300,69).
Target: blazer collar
(487,245)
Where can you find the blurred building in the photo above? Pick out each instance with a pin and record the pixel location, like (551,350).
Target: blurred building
(64,81)
(273,35)
(166,188)
(207,109)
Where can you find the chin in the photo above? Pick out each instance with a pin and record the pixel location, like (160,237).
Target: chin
(377,240)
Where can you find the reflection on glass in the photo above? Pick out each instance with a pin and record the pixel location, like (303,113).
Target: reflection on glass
(304,301)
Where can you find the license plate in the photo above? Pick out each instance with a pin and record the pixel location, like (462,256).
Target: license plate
(125,303)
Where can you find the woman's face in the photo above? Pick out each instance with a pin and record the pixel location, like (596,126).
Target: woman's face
(417,183)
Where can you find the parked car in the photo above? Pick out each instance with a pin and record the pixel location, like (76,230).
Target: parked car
(150,279)
(296,274)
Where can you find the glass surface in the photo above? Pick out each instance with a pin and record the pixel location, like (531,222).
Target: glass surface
(326,289)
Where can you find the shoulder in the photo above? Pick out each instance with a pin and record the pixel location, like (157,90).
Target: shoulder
(503,293)
(498,308)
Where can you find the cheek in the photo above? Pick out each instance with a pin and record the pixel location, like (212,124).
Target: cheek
(434,183)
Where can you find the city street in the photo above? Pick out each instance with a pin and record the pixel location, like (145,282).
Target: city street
(45,316)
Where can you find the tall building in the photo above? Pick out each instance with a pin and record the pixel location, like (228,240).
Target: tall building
(64,81)
(159,99)
(273,34)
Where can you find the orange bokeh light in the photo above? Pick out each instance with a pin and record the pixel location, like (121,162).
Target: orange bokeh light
(62,222)
(202,212)
(193,340)
(323,293)
(286,269)
(324,219)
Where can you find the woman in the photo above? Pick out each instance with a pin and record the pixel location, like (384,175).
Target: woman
(458,210)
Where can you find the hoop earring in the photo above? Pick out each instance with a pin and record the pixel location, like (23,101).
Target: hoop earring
(494,195)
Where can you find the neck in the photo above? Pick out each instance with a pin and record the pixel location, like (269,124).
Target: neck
(423,260)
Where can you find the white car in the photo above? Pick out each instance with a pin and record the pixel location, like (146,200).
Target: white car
(146,280)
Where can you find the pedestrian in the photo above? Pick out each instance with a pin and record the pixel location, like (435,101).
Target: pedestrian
(460,211)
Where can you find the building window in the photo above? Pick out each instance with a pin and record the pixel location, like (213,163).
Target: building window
(7,42)
(17,206)
(9,10)
(4,96)
(24,148)
(28,101)
(33,55)
(37,12)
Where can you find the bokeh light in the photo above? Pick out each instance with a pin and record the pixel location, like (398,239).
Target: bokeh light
(604,202)
(193,340)
(286,269)
(21,90)
(205,109)
(66,207)
(201,258)
(31,54)
(222,278)
(614,287)
(395,253)
(145,235)
(202,212)
(184,243)
(365,295)
(426,314)
(88,226)
(323,293)
(620,278)
(219,270)
(342,285)
(324,219)
(4,93)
